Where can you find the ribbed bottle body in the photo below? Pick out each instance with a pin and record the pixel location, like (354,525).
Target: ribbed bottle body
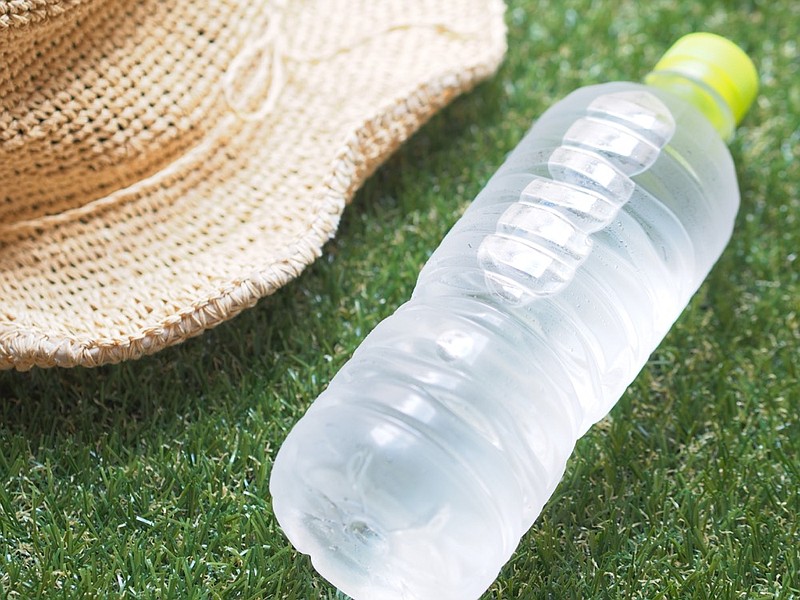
(417,471)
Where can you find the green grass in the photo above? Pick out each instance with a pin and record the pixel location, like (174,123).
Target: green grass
(149,479)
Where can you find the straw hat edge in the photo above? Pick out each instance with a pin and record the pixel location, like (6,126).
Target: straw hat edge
(23,348)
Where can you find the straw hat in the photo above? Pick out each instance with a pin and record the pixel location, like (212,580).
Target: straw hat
(166,163)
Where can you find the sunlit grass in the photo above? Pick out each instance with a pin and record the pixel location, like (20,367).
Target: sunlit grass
(149,479)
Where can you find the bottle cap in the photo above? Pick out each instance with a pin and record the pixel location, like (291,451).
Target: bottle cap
(719,64)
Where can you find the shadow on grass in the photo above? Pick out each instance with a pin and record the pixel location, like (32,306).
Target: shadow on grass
(199,375)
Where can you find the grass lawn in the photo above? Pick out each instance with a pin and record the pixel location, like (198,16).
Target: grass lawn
(149,479)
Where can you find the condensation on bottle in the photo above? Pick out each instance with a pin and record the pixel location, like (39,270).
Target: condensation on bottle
(433,450)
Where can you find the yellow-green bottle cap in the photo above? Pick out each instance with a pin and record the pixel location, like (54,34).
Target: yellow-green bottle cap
(718,63)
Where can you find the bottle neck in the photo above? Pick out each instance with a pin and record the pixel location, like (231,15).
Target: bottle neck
(700,95)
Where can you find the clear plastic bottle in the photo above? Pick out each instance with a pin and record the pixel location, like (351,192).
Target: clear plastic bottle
(415,474)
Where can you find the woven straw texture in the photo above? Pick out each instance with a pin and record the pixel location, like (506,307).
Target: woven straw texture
(166,163)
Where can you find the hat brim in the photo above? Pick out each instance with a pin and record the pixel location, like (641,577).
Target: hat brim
(249,204)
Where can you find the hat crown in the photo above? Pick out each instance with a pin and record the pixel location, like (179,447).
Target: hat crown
(100,94)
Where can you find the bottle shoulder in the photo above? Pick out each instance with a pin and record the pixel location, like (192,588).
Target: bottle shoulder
(688,119)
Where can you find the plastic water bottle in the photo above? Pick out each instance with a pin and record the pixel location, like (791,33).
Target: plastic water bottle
(415,474)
